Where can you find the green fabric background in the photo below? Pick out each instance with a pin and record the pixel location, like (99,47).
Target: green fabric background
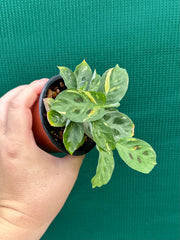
(141,36)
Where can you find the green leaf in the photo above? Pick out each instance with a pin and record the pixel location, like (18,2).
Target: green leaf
(103,135)
(48,103)
(88,129)
(73,136)
(115,84)
(68,77)
(137,154)
(55,119)
(104,169)
(112,105)
(83,74)
(79,105)
(94,83)
(121,125)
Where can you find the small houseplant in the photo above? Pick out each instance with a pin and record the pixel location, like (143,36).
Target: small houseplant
(87,108)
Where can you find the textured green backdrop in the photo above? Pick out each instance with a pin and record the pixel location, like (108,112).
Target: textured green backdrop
(141,36)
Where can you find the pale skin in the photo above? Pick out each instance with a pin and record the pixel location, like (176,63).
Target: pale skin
(34,185)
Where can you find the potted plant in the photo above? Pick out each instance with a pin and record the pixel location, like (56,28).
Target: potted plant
(78,110)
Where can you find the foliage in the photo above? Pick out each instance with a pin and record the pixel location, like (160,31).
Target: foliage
(89,106)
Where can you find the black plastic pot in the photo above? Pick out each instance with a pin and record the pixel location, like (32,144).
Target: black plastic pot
(59,146)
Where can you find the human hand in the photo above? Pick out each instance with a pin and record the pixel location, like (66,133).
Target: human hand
(34,185)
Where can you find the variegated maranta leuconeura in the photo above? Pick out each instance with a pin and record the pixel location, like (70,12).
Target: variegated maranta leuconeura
(89,106)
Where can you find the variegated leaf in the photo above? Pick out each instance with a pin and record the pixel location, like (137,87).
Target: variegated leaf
(121,124)
(79,105)
(83,75)
(47,103)
(94,84)
(137,154)
(112,105)
(103,135)
(115,82)
(88,129)
(73,136)
(68,77)
(55,119)
(104,169)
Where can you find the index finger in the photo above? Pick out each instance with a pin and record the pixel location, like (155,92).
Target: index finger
(19,118)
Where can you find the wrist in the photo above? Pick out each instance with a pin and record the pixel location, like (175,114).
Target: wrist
(10,231)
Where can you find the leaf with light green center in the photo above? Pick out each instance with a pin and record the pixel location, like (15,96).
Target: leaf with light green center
(83,74)
(48,103)
(55,119)
(79,105)
(137,154)
(103,135)
(115,82)
(73,136)
(88,129)
(112,105)
(94,83)
(68,77)
(104,169)
(121,125)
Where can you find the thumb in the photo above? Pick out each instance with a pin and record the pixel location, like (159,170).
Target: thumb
(60,167)
(67,169)
(70,165)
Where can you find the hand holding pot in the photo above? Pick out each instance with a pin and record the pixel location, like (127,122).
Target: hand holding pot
(33,184)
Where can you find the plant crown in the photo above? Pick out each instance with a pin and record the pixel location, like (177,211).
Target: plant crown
(89,106)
